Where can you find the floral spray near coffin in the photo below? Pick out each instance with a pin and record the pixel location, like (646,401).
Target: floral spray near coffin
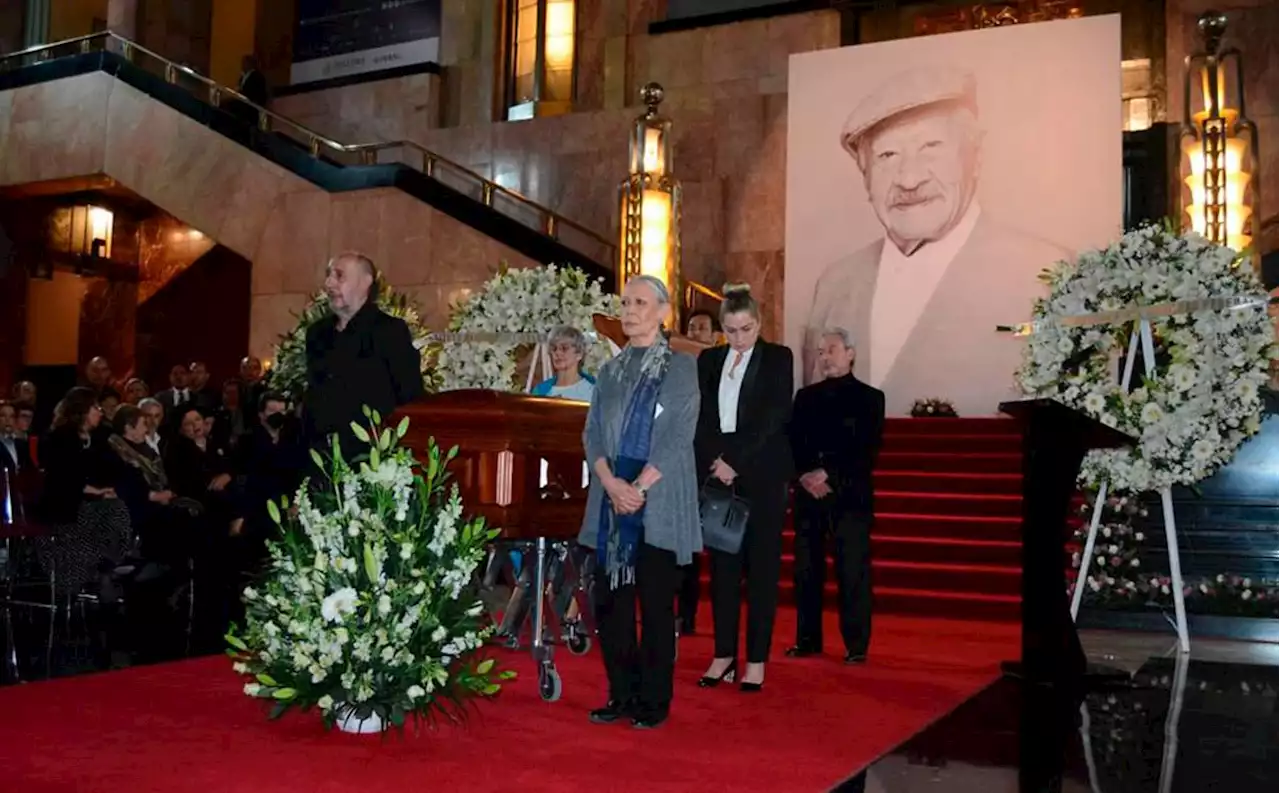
(368,610)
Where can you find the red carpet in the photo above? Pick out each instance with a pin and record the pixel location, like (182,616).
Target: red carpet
(186,727)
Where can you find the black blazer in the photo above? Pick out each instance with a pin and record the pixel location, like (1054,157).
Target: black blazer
(838,425)
(759,451)
(23,448)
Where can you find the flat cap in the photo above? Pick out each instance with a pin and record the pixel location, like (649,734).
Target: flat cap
(907,91)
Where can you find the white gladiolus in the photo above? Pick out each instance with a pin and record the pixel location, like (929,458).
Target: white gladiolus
(339,604)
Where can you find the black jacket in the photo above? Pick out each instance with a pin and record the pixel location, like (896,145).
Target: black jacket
(21,447)
(837,425)
(759,450)
(372,362)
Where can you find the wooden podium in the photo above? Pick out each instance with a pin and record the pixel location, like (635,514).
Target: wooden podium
(1055,439)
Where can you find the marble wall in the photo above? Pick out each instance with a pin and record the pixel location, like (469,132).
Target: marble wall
(287,227)
(401,108)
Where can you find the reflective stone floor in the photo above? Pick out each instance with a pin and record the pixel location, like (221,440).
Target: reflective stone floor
(1203,722)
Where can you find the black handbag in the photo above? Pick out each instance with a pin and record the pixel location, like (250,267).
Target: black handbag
(724,517)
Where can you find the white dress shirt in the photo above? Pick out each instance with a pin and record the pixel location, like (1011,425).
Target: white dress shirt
(904,286)
(731,387)
(153,440)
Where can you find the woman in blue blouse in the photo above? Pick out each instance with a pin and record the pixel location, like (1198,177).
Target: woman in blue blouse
(568,347)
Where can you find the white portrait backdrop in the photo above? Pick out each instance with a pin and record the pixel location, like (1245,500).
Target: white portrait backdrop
(1049,104)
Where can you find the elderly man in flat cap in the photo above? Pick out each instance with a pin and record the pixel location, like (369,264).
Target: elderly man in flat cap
(924,301)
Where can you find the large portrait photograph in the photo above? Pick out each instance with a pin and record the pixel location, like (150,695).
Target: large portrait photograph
(929,183)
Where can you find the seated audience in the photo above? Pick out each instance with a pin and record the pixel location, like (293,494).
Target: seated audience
(229,421)
(153,413)
(15,455)
(109,400)
(78,501)
(135,390)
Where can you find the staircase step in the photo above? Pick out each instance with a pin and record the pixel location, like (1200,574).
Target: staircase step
(955,442)
(959,527)
(890,461)
(929,549)
(940,576)
(922,602)
(976,504)
(947,482)
(958,426)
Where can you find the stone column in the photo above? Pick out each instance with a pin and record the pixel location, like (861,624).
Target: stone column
(122,18)
(36,28)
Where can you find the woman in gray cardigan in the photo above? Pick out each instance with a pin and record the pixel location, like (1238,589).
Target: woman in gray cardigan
(642,506)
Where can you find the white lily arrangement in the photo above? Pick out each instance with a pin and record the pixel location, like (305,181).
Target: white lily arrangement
(369,610)
(1204,400)
(521,301)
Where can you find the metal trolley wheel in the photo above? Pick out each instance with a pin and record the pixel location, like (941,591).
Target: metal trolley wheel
(578,643)
(550,686)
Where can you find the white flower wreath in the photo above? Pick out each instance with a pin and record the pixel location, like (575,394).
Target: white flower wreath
(522,301)
(1203,400)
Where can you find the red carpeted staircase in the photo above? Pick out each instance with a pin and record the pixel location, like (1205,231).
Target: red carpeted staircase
(948,506)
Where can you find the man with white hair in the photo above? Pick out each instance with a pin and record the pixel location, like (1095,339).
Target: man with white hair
(836,428)
(357,356)
(925,299)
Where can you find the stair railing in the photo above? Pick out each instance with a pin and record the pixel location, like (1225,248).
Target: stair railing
(506,201)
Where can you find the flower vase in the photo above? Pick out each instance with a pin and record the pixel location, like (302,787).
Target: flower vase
(348,721)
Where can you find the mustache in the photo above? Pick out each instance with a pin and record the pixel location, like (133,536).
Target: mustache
(900,197)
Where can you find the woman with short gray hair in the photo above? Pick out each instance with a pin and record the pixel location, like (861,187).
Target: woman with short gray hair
(567,346)
(642,506)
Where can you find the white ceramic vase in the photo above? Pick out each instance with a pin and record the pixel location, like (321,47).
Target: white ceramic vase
(355,725)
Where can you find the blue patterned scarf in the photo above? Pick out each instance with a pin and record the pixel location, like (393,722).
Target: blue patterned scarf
(619,536)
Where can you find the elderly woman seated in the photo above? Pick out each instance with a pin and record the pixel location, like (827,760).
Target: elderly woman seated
(568,346)
(166,524)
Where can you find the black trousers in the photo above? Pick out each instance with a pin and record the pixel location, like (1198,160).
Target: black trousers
(640,670)
(690,592)
(760,561)
(851,530)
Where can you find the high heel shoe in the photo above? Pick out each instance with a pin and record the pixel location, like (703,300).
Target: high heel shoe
(751,688)
(727,676)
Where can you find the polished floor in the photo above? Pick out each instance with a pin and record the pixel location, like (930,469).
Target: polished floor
(1200,722)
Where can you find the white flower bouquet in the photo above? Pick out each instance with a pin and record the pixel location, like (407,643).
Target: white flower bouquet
(521,301)
(369,610)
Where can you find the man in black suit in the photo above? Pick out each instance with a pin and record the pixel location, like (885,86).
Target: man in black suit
(178,393)
(357,357)
(15,454)
(836,430)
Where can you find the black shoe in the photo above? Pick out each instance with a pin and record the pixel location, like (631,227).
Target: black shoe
(611,712)
(649,721)
(727,676)
(800,651)
(687,627)
(751,688)
(855,659)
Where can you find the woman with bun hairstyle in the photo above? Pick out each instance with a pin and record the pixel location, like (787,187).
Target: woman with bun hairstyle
(741,443)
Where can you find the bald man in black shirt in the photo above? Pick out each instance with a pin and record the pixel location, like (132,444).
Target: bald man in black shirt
(356,357)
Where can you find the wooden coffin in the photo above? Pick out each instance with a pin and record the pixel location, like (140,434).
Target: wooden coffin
(520,461)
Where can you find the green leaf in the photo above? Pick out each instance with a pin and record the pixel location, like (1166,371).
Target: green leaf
(274,512)
(317,459)
(284,694)
(507,674)
(236,643)
(284,502)
(377,417)
(370,564)
(375,459)
(402,428)
(452,454)
(491,689)
(366,411)
(267,680)
(278,709)
(397,716)
(485,666)
(433,466)
(360,432)
(384,440)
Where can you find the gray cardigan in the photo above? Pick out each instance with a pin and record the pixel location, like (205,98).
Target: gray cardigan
(671,519)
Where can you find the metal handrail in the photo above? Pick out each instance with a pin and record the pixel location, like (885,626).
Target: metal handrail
(551,222)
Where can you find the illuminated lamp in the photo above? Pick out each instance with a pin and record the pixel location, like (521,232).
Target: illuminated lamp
(541,56)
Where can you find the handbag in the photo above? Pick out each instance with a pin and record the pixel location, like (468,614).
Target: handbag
(724,517)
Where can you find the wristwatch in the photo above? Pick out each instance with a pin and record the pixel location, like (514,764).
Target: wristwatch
(641,489)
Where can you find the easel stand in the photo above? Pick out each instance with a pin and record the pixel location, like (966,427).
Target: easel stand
(1141,333)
